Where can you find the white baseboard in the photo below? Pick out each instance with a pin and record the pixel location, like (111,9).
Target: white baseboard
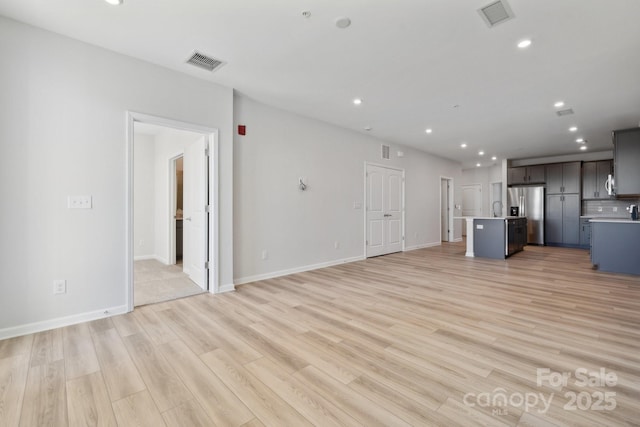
(59,322)
(422,246)
(249,279)
(459,239)
(229,287)
(144,257)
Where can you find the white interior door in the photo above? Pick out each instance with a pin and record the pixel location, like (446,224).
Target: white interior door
(195,216)
(384,211)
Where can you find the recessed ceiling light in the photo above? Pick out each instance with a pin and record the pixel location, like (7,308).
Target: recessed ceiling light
(580,140)
(573,128)
(463,145)
(559,104)
(428,130)
(357,101)
(480,153)
(114,2)
(494,158)
(478,165)
(584,147)
(524,43)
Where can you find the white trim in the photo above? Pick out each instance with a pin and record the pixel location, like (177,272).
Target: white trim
(248,279)
(211,135)
(229,287)
(422,246)
(59,322)
(144,257)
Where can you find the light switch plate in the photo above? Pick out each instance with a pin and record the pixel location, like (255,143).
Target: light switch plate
(79,202)
(480,226)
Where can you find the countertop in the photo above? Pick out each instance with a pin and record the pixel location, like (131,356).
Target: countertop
(501,218)
(616,220)
(604,217)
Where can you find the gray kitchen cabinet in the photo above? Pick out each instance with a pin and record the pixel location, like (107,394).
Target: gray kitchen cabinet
(614,246)
(563,178)
(594,176)
(526,175)
(562,220)
(585,233)
(626,160)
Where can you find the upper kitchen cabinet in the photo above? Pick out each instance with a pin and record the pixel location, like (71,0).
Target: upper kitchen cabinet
(526,175)
(563,178)
(594,177)
(627,162)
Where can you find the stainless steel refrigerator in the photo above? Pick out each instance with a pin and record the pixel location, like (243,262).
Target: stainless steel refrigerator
(530,204)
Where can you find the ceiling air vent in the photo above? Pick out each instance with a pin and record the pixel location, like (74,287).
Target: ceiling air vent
(496,13)
(203,61)
(566,112)
(385,152)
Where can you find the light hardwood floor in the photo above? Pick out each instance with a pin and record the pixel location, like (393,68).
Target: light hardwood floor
(155,282)
(392,341)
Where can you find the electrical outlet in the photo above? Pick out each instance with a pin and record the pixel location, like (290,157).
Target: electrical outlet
(79,202)
(59,287)
(599,208)
(615,209)
(265,254)
(336,244)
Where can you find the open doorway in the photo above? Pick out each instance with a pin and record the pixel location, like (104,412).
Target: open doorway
(171,226)
(446,209)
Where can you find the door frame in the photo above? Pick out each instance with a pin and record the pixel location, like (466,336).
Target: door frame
(450,232)
(173,201)
(211,136)
(364,226)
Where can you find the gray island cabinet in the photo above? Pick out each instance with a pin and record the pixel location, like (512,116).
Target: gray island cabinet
(499,237)
(614,245)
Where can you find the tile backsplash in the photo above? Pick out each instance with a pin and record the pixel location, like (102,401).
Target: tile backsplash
(607,208)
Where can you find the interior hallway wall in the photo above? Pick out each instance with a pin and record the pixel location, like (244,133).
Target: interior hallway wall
(63,131)
(297,228)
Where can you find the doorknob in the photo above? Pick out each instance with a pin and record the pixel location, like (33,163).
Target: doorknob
(188,218)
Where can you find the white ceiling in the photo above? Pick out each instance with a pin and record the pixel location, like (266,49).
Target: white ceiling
(411,61)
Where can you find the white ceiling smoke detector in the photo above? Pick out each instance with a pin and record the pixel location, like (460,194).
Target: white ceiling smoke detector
(496,13)
(342,22)
(114,2)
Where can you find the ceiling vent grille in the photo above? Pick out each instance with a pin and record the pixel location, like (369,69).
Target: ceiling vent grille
(205,62)
(385,152)
(566,112)
(496,13)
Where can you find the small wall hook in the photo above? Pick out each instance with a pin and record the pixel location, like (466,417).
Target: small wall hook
(301,185)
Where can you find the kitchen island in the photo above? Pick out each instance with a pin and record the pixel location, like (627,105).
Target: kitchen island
(495,237)
(615,245)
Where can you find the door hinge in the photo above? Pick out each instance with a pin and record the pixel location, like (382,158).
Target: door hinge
(207,265)
(207,208)
(366,242)
(207,151)
(402,238)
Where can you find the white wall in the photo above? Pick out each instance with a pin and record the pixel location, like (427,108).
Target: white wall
(484,176)
(144,197)
(63,132)
(298,228)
